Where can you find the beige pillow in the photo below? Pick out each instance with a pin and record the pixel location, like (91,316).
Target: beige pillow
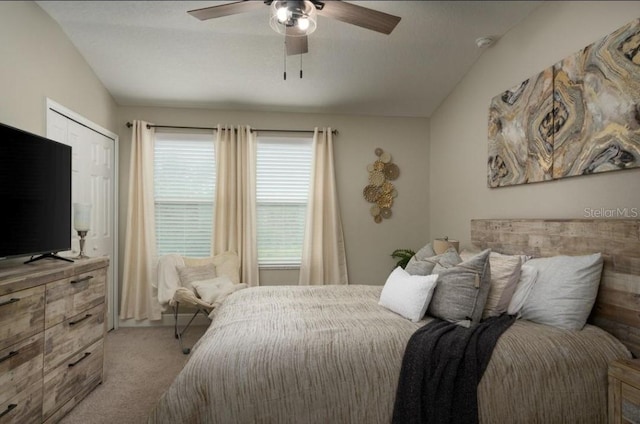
(226,264)
(505,274)
(209,290)
(189,274)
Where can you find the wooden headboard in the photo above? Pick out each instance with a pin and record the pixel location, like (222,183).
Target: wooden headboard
(617,308)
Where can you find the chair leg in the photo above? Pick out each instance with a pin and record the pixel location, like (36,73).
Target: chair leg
(180,333)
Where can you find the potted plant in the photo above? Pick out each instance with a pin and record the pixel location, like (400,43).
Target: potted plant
(403,256)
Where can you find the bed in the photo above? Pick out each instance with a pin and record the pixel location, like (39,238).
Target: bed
(332,354)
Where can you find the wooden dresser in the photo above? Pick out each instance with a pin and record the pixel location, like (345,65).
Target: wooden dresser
(52,328)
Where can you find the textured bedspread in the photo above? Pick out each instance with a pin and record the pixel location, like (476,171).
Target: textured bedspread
(331,354)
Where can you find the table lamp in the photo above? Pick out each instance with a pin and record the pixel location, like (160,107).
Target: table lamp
(81,223)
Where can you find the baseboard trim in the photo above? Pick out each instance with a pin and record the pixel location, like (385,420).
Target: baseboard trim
(166,321)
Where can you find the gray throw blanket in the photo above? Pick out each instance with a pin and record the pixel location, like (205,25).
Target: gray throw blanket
(442,366)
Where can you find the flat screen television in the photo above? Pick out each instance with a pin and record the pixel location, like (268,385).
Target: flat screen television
(35,195)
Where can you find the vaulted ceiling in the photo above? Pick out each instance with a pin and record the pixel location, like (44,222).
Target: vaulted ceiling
(152,53)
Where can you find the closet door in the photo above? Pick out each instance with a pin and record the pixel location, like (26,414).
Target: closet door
(93,181)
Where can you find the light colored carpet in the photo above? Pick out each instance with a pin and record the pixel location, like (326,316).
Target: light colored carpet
(140,364)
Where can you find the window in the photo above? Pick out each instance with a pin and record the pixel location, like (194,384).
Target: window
(185,179)
(282,186)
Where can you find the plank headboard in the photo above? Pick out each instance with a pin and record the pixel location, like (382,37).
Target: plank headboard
(617,308)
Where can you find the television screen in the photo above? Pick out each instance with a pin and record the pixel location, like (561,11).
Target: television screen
(35,194)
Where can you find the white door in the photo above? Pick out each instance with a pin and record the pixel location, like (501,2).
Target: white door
(93,181)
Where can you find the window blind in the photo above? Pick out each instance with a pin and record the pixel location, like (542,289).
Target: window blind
(184,179)
(283,173)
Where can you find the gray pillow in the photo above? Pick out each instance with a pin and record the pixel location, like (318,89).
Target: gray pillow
(565,290)
(461,291)
(424,265)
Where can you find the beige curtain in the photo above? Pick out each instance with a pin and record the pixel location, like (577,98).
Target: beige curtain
(138,300)
(323,254)
(235,214)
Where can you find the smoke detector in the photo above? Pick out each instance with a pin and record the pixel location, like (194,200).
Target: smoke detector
(483,42)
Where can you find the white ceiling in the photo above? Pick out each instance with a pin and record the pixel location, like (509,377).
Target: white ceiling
(152,53)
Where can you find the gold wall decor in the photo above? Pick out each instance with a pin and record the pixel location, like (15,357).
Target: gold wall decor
(581,116)
(380,191)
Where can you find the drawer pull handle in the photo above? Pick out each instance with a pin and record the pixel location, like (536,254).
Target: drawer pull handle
(10,301)
(73,364)
(82,280)
(9,356)
(80,320)
(11,407)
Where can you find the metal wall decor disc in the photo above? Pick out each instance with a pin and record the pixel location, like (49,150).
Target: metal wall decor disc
(377,219)
(385,201)
(376,178)
(370,167)
(371,193)
(379,151)
(394,193)
(387,187)
(385,213)
(375,210)
(378,165)
(385,157)
(391,171)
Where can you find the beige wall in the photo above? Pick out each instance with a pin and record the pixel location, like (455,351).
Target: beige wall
(368,244)
(458,150)
(37,61)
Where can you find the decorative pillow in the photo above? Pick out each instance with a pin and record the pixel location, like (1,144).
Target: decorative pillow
(565,291)
(528,277)
(226,263)
(209,290)
(462,291)
(467,253)
(505,273)
(413,266)
(431,265)
(408,295)
(189,274)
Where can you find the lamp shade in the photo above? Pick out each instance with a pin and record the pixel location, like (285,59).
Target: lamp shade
(81,216)
(440,245)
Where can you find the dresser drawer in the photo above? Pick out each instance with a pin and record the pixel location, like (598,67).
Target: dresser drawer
(21,315)
(24,408)
(71,296)
(80,373)
(20,367)
(63,340)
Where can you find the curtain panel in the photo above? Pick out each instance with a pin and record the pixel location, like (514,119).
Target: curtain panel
(139,271)
(324,258)
(235,204)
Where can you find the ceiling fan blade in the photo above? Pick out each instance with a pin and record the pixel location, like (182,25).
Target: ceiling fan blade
(360,16)
(225,9)
(296,45)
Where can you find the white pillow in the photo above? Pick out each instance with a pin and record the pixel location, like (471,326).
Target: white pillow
(528,277)
(209,290)
(565,291)
(408,295)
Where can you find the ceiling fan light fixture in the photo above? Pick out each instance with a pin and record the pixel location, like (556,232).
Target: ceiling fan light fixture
(293,18)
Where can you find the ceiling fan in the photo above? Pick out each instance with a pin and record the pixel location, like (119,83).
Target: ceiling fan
(297,19)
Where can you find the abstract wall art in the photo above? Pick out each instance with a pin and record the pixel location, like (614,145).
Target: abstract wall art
(520,136)
(580,116)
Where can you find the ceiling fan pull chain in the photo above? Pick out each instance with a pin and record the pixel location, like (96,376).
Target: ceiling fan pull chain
(285,60)
(300,66)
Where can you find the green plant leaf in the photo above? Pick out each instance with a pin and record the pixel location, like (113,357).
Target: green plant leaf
(403,256)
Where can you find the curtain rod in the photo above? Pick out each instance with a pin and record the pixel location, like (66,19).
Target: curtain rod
(129,125)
